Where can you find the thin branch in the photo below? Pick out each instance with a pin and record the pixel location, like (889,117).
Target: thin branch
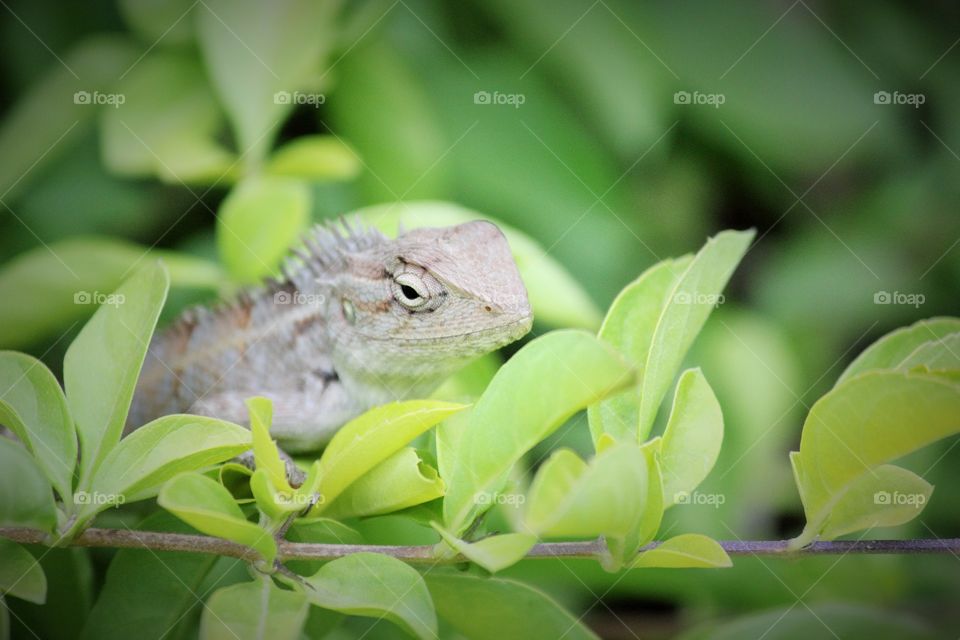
(157,541)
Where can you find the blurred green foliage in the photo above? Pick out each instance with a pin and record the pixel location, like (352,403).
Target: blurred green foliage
(563,120)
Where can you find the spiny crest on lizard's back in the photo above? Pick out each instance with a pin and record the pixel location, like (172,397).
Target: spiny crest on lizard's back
(323,252)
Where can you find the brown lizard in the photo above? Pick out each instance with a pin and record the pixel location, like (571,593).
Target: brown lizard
(356,320)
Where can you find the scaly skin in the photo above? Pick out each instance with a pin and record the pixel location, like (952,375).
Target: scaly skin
(357,320)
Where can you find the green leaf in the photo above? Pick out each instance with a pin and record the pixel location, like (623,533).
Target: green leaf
(317,158)
(692,438)
(257,224)
(571,498)
(26,497)
(21,575)
(942,354)
(57,284)
(556,297)
(318,530)
(686,551)
(690,302)
(468,383)
(372,437)
(793,623)
(265,452)
(101,367)
(161,449)
(147,594)
(168,108)
(629,326)
(402,480)
(254,611)
(208,507)
(33,406)
(495,553)
(886,497)
(497,608)
(164,22)
(577,368)
(867,421)
(253,51)
(48,116)
(375,585)
(892,349)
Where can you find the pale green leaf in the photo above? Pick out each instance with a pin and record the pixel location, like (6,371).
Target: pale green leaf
(265,451)
(402,480)
(692,438)
(258,55)
(257,610)
(469,383)
(26,497)
(374,436)
(571,498)
(629,326)
(497,608)
(207,506)
(161,449)
(164,22)
(33,406)
(167,102)
(257,224)
(869,420)
(942,354)
(690,302)
(317,158)
(575,367)
(21,575)
(375,585)
(495,553)
(686,551)
(892,349)
(276,502)
(57,284)
(885,497)
(556,297)
(101,367)
(622,549)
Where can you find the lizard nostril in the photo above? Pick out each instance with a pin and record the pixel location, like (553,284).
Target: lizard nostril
(487,308)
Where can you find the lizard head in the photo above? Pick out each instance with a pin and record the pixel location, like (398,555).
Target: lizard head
(426,303)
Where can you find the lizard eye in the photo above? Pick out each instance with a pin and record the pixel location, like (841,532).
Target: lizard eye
(410,290)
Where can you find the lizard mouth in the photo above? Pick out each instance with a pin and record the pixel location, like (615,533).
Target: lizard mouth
(508,332)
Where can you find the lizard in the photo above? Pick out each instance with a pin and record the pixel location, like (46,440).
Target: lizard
(354,320)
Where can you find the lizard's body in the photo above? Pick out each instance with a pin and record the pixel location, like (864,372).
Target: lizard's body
(357,320)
